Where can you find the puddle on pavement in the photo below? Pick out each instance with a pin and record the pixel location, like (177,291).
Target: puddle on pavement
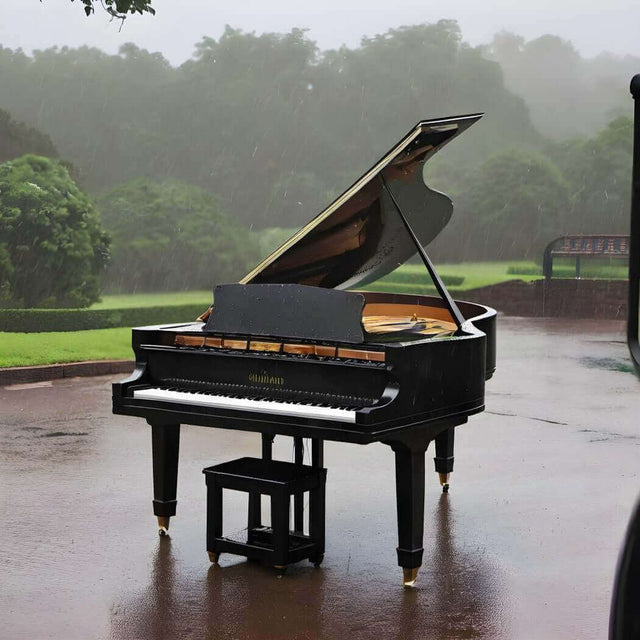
(609,364)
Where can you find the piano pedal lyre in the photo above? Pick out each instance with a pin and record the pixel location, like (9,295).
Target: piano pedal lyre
(163,526)
(444,482)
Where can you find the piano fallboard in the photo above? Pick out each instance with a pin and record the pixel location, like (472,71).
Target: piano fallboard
(404,384)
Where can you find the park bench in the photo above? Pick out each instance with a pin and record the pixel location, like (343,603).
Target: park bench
(584,246)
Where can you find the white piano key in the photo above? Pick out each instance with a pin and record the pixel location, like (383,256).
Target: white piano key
(246,404)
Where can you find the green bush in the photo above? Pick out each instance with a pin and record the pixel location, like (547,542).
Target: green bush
(39,320)
(405,277)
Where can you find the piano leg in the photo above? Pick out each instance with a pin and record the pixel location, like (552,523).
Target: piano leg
(255,508)
(165,442)
(298,498)
(410,505)
(317,504)
(444,457)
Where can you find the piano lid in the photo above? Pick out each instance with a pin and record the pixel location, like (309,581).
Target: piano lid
(360,237)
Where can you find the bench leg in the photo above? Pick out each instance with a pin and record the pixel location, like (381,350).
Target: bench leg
(255,510)
(165,443)
(280,528)
(214,518)
(444,457)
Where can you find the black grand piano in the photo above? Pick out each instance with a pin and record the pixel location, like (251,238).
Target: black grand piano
(295,350)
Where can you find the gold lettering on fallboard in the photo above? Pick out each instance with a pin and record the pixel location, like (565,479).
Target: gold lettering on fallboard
(265,378)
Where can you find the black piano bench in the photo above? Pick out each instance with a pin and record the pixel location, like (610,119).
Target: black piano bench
(276,545)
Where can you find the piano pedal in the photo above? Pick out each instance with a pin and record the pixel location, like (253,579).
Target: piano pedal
(163,526)
(444,482)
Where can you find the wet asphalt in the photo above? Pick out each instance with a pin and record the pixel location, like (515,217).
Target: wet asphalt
(524,545)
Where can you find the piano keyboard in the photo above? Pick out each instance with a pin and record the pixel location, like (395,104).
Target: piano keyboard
(247,404)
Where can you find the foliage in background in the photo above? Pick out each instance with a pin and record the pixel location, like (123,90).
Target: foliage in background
(119,8)
(52,246)
(276,128)
(598,170)
(172,236)
(567,94)
(17,138)
(510,206)
(269,124)
(272,238)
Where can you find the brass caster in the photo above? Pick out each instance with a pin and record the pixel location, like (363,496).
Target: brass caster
(213,557)
(444,482)
(409,576)
(281,569)
(163,525)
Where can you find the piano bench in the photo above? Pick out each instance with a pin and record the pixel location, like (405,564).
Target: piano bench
(276,545)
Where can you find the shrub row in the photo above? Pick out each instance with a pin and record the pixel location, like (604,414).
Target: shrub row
(38,320)
(392,287)
(419,279)
(589,270)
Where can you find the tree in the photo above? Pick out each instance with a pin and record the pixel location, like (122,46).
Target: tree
(52,247)
(566,93)
(510,207)
(16,139)
(119,8)
(170,236)
(598,170)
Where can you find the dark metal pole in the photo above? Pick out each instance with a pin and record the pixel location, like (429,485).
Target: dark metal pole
(634,243)
(624,619)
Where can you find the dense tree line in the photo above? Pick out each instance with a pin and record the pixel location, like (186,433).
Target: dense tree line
(172,236)
(566,94)
(16,139)
(269,124)
(275,128)
(514,203)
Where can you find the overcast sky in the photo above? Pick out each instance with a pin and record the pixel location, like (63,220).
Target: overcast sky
(592,25)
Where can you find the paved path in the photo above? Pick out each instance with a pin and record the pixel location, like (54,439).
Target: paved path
(524,546)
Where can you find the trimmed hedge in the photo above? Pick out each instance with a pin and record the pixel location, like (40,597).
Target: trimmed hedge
(419,279)
(38,320)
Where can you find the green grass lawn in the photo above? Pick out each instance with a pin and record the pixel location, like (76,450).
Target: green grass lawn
(412,278)
(129,300)
(24,349)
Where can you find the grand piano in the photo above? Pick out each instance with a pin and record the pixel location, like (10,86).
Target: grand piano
(295,349)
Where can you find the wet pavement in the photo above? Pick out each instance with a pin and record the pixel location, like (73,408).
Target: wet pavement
(524,545)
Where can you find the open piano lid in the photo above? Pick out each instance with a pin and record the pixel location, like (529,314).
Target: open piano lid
(360,237)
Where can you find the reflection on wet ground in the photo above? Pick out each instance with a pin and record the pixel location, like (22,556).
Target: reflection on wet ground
(247,600)
(524,546)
